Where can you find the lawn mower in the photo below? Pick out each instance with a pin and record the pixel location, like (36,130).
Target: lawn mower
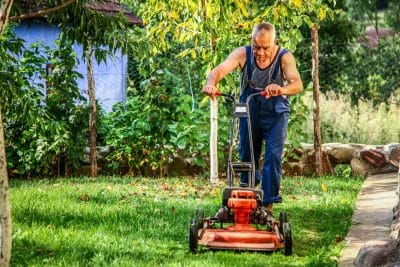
(242,223)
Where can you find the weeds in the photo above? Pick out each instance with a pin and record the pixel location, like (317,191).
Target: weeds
(363,123)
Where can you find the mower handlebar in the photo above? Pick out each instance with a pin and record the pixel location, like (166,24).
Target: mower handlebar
(228,96)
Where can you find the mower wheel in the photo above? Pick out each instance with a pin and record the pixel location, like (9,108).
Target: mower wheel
(193,231)
(288,241)
(283,218)
(200,218)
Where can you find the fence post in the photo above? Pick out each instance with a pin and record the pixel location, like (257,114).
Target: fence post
(214,142)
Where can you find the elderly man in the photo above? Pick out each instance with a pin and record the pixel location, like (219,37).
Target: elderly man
(265,66)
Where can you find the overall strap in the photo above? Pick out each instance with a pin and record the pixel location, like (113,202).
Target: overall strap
(278,63)
(248,62)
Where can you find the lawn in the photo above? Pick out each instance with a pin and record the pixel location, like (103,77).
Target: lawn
(121,221)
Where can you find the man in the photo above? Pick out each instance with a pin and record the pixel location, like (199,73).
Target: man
(264,66)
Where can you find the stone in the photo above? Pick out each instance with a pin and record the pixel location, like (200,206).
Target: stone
(340,153)
(394,234)
(304,163)
(376,253)
(373,157)
(359,167)
(394,156)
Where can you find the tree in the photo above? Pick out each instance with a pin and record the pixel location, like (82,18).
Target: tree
(5,211)
(366,12)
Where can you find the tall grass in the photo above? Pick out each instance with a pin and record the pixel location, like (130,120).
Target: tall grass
(362,123)
(114,221)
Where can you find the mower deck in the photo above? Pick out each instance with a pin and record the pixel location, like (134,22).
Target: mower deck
(240,240)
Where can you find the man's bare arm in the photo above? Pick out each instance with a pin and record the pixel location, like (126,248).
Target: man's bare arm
(236,59)
(292,75)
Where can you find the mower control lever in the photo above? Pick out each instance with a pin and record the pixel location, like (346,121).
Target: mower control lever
(227,96)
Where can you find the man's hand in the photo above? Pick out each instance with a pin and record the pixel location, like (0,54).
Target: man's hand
(272,90)
(210,90)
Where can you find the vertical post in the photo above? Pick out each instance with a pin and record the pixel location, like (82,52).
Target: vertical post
(92,114)
(315,77)
(213,118)
(5,209)
(214,142)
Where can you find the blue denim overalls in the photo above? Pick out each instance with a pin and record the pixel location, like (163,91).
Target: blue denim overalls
(269,120)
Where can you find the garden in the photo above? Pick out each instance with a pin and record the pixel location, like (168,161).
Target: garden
(134,204)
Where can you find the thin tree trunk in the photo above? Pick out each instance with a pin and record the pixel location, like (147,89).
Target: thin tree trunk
(376,20)
(5,210)
(5,7)
(93,112)
(315,76)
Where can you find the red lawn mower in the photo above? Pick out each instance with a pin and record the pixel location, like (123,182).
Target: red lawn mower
(242,223)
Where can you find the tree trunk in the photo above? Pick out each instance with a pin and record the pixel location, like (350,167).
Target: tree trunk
(5,7)
(93,112)
(315,76)
(376,18)
(5,210)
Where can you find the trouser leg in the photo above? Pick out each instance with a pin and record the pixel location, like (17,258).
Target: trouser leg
(274,136)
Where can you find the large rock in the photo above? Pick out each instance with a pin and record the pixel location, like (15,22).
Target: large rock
(359,167)
(340,153)
(394,156)
(377,253)
(373,157)
(303,163)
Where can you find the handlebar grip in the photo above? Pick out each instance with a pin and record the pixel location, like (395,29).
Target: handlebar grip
(263,93)
(218,93)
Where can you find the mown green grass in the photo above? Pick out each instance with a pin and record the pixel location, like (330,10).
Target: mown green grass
(114,221)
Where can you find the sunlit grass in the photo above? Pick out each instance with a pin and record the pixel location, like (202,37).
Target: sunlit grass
(113,221)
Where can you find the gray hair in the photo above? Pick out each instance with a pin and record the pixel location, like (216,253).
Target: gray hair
(268,27)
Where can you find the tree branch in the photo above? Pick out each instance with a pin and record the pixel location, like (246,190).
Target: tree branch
(43,12)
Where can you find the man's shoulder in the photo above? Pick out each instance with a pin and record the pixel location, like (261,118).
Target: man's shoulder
(286,54)
(241,50)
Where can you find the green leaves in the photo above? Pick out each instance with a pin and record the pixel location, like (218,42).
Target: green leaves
(40,127)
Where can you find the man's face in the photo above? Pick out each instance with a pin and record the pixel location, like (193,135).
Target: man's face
(263,45)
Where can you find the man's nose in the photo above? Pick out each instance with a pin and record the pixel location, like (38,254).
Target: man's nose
(260,52)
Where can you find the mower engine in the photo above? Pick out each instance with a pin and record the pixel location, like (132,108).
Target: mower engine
(247,209)
(242,204)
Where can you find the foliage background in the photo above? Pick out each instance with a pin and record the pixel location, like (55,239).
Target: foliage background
(166,117)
